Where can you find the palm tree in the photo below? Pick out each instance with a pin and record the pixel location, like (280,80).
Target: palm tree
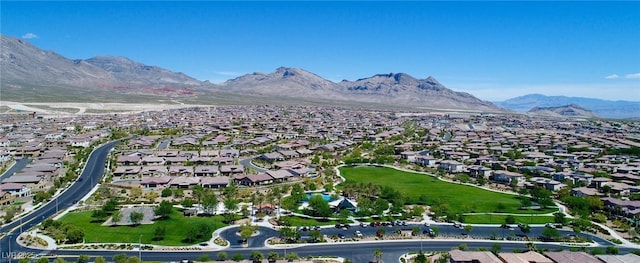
(377,253)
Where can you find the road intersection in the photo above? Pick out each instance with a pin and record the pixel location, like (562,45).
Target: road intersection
(358,251)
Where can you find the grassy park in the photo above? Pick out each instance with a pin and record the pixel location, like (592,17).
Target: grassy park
(177,227)
(459,198)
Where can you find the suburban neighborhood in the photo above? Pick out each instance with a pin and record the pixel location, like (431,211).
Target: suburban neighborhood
(252,166)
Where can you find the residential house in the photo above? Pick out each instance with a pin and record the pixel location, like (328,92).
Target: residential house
(479,171)
(155,182)
(426,161)
(451,166)
(526,257)
(215,182)
(459,256)
(152,160)
(569,256)
(154,170)
(506,177)
(209,170)
(231,169)
(622,207)
(253,179)
(18,190)
(280,175)
(6,198)
(184,182)
(127,171)
(630,257)
(180,170)
(271,157)
(585,192)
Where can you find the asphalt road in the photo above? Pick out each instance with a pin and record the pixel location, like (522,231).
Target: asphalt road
(247,163)
(358,251)
(163,144)
(89,177)
(20,163)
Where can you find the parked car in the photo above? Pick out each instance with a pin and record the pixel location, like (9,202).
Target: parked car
(358,233)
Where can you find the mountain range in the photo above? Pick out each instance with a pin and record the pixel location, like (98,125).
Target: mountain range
(563,111)
(602,108)
(32,74)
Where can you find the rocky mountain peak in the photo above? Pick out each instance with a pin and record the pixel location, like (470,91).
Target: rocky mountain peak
(570,110)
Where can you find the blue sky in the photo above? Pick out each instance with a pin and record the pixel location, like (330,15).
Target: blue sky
(493,50)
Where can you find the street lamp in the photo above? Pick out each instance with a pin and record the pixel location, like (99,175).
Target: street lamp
(10,255)
(140,247)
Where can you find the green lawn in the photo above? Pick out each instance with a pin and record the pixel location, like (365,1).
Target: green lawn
(459,198)
(499,219)
(300,221)
(176,229)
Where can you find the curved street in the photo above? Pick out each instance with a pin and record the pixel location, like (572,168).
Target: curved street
(359,251)
(88,179)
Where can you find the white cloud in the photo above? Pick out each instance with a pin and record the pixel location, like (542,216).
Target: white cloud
(612,76)
(29,36)
(633,76)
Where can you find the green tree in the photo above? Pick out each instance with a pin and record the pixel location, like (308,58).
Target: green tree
(377,254)
(319,206)
(24,260)
(166,192)
(291,256)
(100,259)
(611,250)
(116,217)
(316,235)
(247,230)
(510,219)
(436,230)
(83,259)
(74,234)
(136,218)
(290,233)
(256,256)
(164,209)
(46,260)
(559,218)
(99,214)
(273,256)
(222,256)
(525,201)
(204,258)
(495,248)
(159,233)
(420,258)
(468,228)
(525,228)
(237,257)
(209,201)
(120,258)
(59,260)
(550,233)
